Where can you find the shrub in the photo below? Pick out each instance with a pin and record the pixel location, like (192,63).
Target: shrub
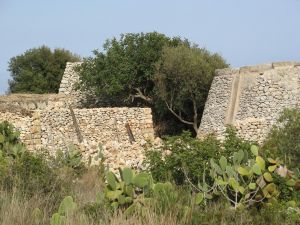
(182,156)
(26,171)
(71,159)
(284,138)
(233,143)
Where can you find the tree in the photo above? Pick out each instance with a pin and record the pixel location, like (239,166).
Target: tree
(183,78)
(123,72)
(39,70)
(283,139)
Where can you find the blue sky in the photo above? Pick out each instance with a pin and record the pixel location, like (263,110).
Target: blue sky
(244,32)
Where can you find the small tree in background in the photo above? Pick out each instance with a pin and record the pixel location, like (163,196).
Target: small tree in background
(284,138)
(39,70)
(183,78)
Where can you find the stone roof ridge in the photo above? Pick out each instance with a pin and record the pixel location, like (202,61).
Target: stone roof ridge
(260,68)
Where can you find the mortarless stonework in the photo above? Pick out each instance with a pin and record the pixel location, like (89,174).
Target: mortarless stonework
(57,121)
(250,98)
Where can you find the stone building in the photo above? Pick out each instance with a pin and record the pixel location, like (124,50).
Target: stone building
(57,121)
(250,98)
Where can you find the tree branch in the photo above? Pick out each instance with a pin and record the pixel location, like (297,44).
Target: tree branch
(178,116)
(195,123)
(141,96)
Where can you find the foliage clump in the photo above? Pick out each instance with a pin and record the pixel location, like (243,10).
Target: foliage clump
(248,180)
(284,138)
(39,70)
(150,69)
(182,80)
(183,156)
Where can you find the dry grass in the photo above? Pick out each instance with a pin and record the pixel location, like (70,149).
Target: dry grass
(16,209)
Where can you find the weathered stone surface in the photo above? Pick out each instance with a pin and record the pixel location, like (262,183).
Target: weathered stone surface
(46,121)
(251,99)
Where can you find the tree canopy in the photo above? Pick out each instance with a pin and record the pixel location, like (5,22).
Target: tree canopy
(183,78)
(124,70)
(149,69)
(39,70)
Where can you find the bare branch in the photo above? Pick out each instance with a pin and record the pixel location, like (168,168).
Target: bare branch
(141,96)
(178,116)
(195,124)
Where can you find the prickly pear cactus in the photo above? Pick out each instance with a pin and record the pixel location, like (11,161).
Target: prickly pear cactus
(66,207)
(122,193)
(243,180)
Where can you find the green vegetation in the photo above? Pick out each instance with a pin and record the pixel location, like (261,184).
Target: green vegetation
(183,156)
(283,140)
(141,69)
(246,181)
(38,70)
(182,80)
(187,181)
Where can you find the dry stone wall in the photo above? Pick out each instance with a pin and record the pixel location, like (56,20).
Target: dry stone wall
(251,98)
(100,128)
(58,121)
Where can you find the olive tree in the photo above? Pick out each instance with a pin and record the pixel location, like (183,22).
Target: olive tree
(182,80)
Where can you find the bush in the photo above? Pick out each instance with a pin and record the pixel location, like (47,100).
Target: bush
(182,156)
(284,138)
(27,172)
(233,143)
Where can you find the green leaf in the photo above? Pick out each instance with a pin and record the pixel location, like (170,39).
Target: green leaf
(270,191)
(230,171)
(242,171)
(57,219)
(129,191)
(128,199)
(208,196)
(254,150)
(291,183)
(115,205)
(256,169)
(131,209)
(252,186)
(1,139)
(111,180)
(233,183)
(216,167)
(261,162)
(199,198)
(37,215)
(272,168)
(238,157)
(113,195)
(66,206)
(127,175)
(223,163)
(141,180)
(268,177)
(121,199)
(272,161)
(241,189)
(221,182)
